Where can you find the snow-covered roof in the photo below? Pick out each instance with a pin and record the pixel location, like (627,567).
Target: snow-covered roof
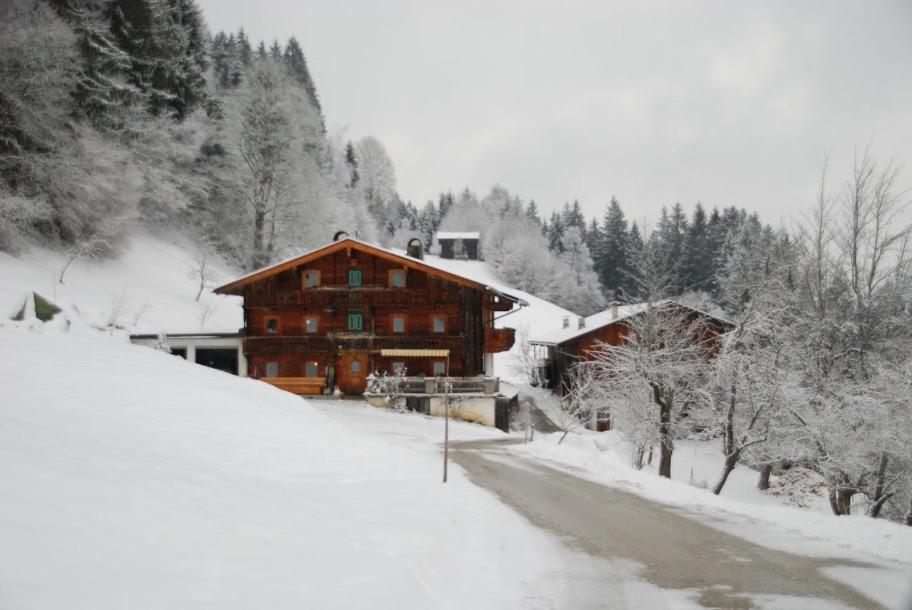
(606,318)
(458,235)
(410,261)
(596,320)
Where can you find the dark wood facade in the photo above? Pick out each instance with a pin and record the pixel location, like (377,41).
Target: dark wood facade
(329,315)
(561,357)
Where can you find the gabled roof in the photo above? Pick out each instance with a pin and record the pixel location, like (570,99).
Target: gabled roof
(603,319)
(235,287)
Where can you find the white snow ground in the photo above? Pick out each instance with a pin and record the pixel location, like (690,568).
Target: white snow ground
(741,510)
(134,479)
(126,479)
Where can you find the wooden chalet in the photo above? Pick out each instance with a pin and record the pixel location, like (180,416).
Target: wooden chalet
(328,318)
(556,352)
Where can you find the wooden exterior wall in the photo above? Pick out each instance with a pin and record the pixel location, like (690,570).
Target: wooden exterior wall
(565,355)
(284,298)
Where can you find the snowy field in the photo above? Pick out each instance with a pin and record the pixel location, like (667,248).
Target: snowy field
(135,479)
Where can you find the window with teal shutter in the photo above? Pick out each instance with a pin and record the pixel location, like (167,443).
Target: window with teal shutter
(354,277)
(355,320)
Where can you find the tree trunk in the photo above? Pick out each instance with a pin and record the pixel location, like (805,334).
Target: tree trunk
(909,514)
(638,457)
(259,254)
(731,460)
(880,487)
(763,481)
(665,444)
(841,500)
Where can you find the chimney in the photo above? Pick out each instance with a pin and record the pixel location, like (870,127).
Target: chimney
(566,321)
(415,248)
(581,322)
(614,309)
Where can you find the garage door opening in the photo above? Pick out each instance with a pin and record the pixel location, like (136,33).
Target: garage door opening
(223,359)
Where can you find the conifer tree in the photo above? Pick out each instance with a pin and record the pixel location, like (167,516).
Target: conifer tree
(554,231)
(351,160)
(297,64)
(696,264)
(532,213)
(101,92)
(245,51)
(612,264)
(165,40)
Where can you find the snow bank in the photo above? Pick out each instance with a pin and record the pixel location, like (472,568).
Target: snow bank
(132,478)
(741,510)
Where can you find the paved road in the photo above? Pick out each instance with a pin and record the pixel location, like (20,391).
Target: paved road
(675,552)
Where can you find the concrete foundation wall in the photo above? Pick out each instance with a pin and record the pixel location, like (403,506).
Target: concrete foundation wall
(477,409)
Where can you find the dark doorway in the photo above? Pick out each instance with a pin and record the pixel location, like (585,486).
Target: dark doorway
(221,358)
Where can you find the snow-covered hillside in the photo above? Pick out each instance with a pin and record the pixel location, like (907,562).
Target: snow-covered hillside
(152,286)
(149,288)
(134,479)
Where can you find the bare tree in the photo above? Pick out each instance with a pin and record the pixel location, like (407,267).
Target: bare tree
(748,379)
(265,146)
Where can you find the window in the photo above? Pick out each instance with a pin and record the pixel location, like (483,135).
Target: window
(354,277)
(272,369)
(398,368)
(438,324)
(272,326)
(311,369)
(311,278)
(439,369)
(355,320)
(398,324)
(397,278)
(311,324)
(355,366)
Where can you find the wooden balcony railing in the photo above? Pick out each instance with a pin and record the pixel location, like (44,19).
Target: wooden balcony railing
(328,343)
(433,385)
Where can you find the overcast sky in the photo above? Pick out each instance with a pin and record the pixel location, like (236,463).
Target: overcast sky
(653,102)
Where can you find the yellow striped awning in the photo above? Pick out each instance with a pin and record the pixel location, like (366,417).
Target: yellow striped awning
(415,353)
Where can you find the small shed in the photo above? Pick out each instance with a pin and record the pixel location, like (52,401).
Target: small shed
(464,245)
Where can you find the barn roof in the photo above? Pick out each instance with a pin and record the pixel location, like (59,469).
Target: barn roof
(236,286)
(603,319)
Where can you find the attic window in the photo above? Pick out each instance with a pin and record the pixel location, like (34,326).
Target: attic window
(397,278)
(311,278)
(355,277)
(272,326)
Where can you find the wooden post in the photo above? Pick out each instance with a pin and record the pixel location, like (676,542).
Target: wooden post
(446,427)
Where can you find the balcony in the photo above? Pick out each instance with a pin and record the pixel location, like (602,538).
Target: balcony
(499,339)
(433,386)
